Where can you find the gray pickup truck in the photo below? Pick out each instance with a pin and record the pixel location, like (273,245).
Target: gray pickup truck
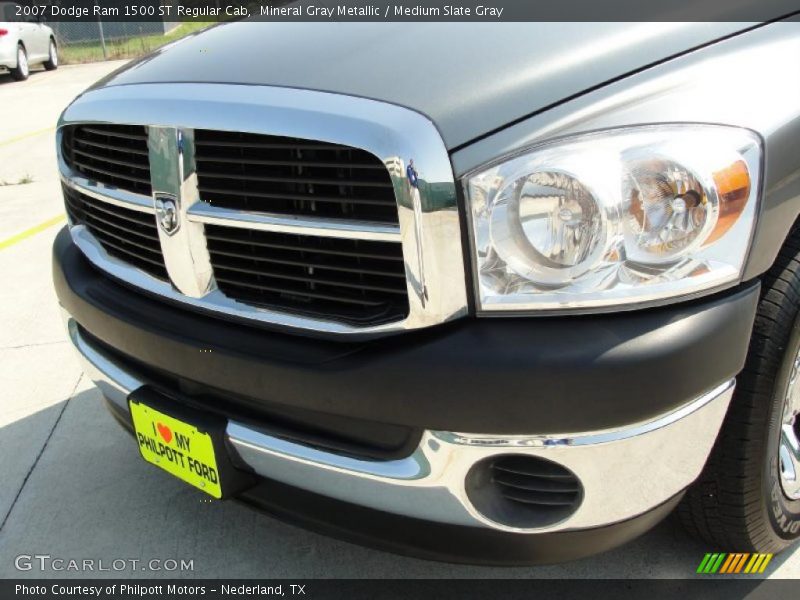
(501,294)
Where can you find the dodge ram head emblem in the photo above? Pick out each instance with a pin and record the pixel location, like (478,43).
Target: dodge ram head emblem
(167,213)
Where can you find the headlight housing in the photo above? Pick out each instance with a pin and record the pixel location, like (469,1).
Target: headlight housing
(619,218)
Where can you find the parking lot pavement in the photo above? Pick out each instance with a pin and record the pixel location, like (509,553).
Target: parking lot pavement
(30,110)
(72,485)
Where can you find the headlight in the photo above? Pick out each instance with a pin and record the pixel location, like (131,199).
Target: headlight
(632,216)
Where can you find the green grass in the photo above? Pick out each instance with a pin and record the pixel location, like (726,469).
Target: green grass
(25,180)
(83,52)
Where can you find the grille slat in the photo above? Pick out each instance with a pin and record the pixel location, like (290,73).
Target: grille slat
(114,155)
(318,281)
(132,216)
(94,219)
(246,140)
(290,163)
(279,270)
(115,131)
(138,152)
(130,178)
(124,233)
(391,254)
(272,174)
(314,265)
(127,248)
(298,292)
(121,218)
(108,159)
(299,180)
(301,197)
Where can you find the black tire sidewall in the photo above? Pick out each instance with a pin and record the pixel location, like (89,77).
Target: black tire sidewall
(783,514)
(17,74)
(50,64)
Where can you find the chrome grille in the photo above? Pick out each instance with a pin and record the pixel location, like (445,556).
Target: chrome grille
(352,280)
(358,281)
(115,155)
(369,252)
(282,175)
(129,235)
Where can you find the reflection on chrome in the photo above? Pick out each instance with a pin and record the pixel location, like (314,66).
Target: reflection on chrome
(430,482)
(428,215)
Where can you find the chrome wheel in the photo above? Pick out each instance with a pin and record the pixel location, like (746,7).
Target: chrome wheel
(22,62)
(53,54)
(789,449)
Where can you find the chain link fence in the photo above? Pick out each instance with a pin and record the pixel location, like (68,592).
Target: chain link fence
(101,39)
(108,40)
(97,39)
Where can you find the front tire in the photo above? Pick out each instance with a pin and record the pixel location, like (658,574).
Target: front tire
(748,497)
(51,64)
(22,70)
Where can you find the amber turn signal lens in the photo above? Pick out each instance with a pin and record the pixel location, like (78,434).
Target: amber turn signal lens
(733,189)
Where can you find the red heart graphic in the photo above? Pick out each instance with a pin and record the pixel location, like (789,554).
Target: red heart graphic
(165,432)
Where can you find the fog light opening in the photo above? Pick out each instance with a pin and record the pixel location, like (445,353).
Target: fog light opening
(521,491)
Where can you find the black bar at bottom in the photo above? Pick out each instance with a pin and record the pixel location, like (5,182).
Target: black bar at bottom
(710,588)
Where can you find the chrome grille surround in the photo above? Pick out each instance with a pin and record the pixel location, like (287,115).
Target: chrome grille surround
(429,227)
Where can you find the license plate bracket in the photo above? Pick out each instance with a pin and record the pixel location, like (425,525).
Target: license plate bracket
(186,443)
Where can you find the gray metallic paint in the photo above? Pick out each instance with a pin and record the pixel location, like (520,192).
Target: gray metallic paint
(750,81)
(588,76)
(469,78)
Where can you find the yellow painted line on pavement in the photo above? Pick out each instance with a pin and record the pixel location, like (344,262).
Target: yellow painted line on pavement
(25,136)
(32,231)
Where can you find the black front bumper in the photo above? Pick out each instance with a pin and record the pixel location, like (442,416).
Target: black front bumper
(429,540)
(495,376)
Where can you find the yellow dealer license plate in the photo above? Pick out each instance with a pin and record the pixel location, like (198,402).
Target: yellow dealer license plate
(177,447)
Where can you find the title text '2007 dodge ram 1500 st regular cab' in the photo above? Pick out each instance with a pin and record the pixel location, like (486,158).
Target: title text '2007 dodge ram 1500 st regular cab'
(509,303)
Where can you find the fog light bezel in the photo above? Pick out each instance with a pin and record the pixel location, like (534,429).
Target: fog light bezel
(484,493)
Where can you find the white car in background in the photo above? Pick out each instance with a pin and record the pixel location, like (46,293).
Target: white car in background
(25,41)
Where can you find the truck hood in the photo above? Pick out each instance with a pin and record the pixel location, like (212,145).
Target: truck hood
(468,78)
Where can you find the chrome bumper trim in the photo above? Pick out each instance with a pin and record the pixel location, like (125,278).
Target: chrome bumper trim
(624,472)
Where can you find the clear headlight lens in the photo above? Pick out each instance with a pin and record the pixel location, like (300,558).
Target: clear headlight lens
(625,217)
